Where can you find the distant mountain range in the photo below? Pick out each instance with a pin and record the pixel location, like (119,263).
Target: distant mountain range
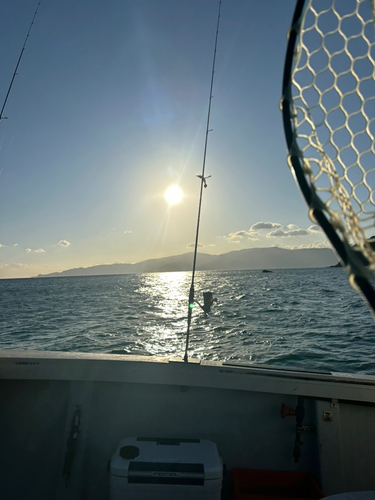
(252,258)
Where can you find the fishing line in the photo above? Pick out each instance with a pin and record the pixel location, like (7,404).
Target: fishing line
(203,183)
(18,63)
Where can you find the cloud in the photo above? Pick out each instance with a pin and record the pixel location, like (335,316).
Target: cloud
(234,241)
(316,244)
(192,245)
(2,246)
(212,245)
(127,232)
(15,265)
(252,238)
(15,244)
(297,232)
(279,233)
(265,225)
(40,250)
(237,234)
(287,247)
(63,243)
(314,229)
(294,231)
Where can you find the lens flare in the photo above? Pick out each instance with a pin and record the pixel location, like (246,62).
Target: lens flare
(173,195)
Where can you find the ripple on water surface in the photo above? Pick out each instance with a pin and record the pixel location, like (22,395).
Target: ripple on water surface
(296,318)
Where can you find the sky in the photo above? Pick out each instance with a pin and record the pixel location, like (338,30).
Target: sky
(109,110)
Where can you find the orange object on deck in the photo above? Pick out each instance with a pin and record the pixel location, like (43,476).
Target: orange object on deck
(253,484)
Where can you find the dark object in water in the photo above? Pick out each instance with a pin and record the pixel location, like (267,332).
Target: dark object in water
(266,271)
(208,300)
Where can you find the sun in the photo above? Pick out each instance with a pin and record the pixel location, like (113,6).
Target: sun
(173,195)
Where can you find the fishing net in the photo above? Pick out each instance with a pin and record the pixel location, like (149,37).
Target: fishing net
(331,95)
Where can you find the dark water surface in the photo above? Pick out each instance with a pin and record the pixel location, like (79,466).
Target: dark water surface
(288,318)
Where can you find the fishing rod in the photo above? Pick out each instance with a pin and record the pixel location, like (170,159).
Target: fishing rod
(18,63)
(203,184)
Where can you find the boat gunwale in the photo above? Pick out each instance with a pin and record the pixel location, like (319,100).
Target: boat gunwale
(94,367)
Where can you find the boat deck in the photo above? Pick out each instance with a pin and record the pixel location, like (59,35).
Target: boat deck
(235,405)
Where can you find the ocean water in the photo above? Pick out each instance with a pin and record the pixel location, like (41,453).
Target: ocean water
(288,318)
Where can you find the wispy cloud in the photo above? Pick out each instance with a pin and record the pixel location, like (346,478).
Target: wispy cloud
(265,225)
(238,235)
(127,232)
(316,244)
(294,231)
(39,250)
(279,233)
(192,245)
(212,245)
(15,265)
(64,243)
(314,229)
(13,245)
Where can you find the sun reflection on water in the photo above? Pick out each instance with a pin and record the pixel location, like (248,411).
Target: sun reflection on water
(165,296)
(162,331)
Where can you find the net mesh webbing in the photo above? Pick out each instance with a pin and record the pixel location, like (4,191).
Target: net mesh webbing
(333,109)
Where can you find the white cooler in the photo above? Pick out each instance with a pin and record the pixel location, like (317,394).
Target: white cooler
(162,469)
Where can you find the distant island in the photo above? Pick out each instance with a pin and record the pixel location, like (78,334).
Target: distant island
(252,258)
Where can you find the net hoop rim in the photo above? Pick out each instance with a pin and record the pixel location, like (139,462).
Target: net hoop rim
(359,274)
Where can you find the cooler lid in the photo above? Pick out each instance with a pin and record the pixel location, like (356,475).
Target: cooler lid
(177,461)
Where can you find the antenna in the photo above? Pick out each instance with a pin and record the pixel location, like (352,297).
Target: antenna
(18,63)
(191,293)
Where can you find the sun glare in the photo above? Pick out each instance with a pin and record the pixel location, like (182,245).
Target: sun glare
(173,195)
